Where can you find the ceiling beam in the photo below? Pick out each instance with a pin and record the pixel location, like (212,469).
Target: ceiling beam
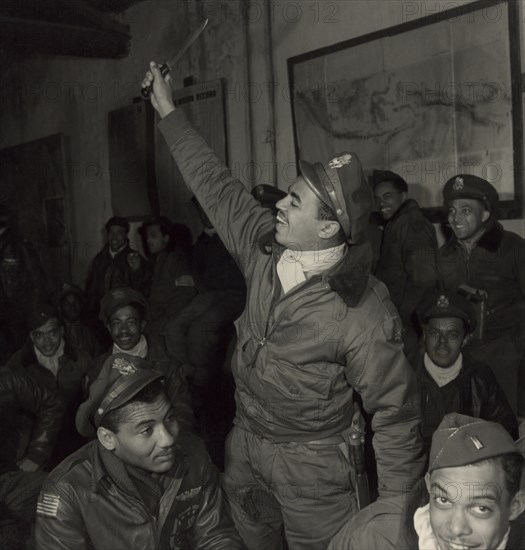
(81,31)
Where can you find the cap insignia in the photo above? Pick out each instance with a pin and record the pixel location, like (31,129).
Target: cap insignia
(123,366)
(338,162)
(477,442)
(458,184)
(443,302)
(118,294)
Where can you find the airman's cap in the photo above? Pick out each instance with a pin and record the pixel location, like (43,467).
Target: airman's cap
(379,176)
(447,304)
(460,440)
(69,288)
(39,315)
(118,220)
(121,297)
(341,185)
(466,186)
(122,376)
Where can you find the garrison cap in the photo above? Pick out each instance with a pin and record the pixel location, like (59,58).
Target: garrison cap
(122,376)
(461,440)
(379,176)
(447,304)
(341,185)
(466,186)
(121,297)
(118,220)
(40,314)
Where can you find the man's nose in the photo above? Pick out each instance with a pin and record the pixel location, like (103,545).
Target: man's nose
(459,524)
(167,435)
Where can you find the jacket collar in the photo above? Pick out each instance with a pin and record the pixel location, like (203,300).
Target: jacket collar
(405,208)
(348,278)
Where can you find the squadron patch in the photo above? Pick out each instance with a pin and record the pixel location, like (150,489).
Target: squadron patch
(48,505)
(339,162)
(123,366)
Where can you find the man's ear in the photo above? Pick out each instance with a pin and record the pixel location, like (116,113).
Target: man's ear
(329,229)
(106,438)
(485,215)
(404,196)
(517,504)
(143,325)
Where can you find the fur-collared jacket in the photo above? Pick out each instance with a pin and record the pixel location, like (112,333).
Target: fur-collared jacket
(496,265)
(301,355)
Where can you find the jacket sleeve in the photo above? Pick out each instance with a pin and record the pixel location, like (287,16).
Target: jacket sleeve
(495,406)
(213,528)
(46,407)
(59,524)
(239,218)
(379,371)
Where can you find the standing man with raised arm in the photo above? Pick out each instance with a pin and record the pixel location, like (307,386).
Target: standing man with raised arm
(316,328)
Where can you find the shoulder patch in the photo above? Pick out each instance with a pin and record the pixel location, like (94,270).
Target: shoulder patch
(48,505)
(396,336)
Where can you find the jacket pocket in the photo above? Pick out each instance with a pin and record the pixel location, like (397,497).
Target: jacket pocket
(295,382)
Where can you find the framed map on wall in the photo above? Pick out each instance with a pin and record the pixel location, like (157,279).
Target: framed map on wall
(428,99)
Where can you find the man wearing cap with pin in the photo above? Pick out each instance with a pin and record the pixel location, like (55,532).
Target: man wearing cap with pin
(472,497)
(316,328)
(139,484)
(481,257)
(124,312)
(450,380)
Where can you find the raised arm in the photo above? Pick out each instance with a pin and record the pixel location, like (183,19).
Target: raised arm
(238,218)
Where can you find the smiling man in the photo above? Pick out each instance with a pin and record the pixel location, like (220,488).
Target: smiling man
(316,328)
(124,312)
(481,256)
(472,497)
(140,484)
(408,248)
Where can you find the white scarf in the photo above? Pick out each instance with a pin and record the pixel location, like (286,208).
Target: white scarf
(140,349)
(441,375)
(294,265)
(51,362)
(427,540)
(113,254)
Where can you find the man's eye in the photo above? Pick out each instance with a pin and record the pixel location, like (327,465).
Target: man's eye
(453,335)
(482,510)
(441,501)
(146,431)
(465,211)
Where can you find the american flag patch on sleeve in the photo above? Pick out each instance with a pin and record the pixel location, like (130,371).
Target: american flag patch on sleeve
(47,505)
